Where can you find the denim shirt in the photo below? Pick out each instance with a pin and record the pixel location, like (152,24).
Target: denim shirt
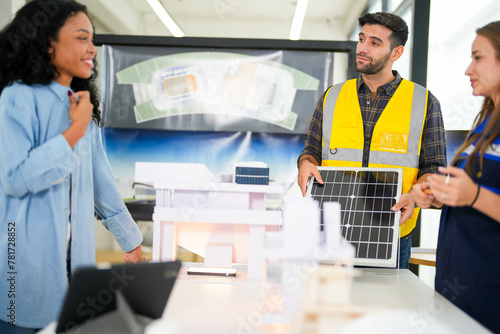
(37,202)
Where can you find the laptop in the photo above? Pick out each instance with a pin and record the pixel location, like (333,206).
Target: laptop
(96,294)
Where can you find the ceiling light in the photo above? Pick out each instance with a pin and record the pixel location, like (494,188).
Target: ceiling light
(165,18)
(298,19)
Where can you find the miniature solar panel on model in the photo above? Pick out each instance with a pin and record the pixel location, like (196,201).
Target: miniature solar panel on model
(366,196)
(252,175)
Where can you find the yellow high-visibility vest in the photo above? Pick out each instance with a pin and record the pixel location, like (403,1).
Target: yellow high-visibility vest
(396,138)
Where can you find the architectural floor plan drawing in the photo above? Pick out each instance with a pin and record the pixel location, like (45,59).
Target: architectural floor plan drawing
(216,83)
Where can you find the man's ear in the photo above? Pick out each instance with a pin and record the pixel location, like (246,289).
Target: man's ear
(397,52)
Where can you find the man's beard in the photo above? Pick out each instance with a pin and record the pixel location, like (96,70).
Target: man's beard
(374,67)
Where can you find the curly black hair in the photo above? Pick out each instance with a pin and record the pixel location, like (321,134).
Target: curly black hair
(25,42)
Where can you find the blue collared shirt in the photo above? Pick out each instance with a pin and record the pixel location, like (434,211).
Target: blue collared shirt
(37,202)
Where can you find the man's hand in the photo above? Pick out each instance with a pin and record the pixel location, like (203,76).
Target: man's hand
(406,204)
(307,168)
(422,195)
(134,255)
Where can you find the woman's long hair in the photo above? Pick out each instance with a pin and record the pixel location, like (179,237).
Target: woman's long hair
(25,43)
(491,131)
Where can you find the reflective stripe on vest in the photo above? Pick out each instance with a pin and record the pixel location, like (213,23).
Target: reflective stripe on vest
(396,139)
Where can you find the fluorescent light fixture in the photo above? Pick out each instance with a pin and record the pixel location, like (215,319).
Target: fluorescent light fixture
(298,19)
(165,18)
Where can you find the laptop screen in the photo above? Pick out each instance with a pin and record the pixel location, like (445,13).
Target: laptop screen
(146,288)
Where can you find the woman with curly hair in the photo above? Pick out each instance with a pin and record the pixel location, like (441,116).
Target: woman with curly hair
(53,169)
(468,250)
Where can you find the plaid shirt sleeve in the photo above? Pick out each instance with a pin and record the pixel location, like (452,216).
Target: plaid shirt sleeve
(314,140)
(433,149)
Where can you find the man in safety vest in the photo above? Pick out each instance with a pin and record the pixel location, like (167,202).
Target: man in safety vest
(378,120)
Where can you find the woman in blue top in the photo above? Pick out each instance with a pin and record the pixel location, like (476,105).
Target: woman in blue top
(468,251)
(53,170)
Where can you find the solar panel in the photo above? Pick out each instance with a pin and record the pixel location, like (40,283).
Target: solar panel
(366,196)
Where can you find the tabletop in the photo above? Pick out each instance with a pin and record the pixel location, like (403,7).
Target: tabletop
(395,299)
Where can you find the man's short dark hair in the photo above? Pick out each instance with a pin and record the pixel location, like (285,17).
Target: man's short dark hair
(395,23)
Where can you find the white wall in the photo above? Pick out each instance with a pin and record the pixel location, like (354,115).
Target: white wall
(452,31)
(7,10)
(5,14)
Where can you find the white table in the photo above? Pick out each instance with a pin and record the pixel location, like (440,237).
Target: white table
(220,305)
(230,305)
(423,256)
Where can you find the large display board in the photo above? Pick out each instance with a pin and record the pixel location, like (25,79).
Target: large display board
(173,88)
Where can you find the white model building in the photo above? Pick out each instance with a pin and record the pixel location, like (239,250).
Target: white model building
(224,222)
(300,248)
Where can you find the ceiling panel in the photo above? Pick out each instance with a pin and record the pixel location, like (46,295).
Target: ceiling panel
(325,19)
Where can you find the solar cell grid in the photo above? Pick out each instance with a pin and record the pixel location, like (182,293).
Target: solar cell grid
(366,196)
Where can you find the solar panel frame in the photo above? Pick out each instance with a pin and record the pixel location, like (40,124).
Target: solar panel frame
(360,188)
